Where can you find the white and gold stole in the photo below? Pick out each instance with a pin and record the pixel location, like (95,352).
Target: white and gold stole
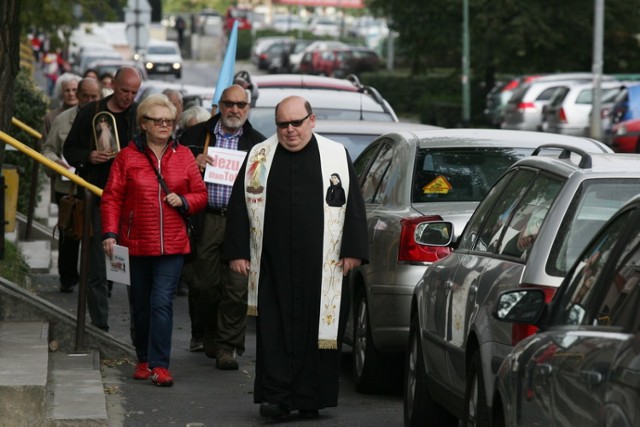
(333,160)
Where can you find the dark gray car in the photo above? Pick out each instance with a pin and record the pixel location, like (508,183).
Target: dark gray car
(584,369)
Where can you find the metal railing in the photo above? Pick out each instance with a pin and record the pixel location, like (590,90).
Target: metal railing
(88,189)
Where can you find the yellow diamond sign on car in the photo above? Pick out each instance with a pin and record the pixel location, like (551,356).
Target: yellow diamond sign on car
(440,185)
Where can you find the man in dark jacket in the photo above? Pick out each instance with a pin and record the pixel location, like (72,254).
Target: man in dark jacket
(218,296)
(80,151)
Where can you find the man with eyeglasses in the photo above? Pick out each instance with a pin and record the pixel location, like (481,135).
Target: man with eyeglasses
(218,296)
(296,227)
(88,90)
(81,151)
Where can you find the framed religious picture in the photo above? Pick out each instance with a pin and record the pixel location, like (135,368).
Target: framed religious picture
(105,133)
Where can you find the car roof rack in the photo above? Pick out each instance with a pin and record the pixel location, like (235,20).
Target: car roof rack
(565,154)
(243,77)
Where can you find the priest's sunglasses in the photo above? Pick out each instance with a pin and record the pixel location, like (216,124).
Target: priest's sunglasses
(294,123)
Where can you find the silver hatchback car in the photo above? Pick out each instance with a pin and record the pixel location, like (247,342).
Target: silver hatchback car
(524,109)
(583,370)
(527,232)
(408,178)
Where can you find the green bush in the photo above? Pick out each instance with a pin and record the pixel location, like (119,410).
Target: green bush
(434,98)
(13,266)
(243,50)
(30,106)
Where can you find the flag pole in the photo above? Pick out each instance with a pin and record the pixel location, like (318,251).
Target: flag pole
(225,77)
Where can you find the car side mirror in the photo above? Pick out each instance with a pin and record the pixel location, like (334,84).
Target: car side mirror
(436,233)
(520,306)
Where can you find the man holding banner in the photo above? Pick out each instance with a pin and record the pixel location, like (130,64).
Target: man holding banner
(218,296)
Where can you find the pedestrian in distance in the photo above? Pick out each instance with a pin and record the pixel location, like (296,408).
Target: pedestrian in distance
(154,183)
(296,234)
(180,27)
(194,115)
(218,296)
(106,83)
(81,151)
(88,91)
(64,97)
(175,96)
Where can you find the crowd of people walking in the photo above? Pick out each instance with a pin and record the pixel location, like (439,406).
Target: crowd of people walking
(276,244)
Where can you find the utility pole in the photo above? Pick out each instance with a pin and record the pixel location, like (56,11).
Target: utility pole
(466,93)
(598,36)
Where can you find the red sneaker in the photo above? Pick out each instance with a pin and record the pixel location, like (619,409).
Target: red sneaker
(161,377)
(142,371)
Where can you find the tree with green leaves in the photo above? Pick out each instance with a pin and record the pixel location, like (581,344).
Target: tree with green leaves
(513,36)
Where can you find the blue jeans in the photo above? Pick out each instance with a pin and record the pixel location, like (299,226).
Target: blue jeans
(154,280)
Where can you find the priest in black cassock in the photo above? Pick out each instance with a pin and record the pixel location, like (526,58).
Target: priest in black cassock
(296,241)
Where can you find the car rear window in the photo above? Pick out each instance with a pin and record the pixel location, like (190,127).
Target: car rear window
(460,174)
(593,204)
(586,96)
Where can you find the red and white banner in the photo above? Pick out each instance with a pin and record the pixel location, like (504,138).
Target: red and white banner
(351,4)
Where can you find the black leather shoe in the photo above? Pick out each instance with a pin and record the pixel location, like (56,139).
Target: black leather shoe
(308,414)
(273,411)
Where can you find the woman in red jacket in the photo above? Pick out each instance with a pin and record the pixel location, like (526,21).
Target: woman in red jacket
(138,213)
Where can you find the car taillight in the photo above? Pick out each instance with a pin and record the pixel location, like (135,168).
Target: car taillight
(410,251)
(520,331)
(525,105)
(562,116)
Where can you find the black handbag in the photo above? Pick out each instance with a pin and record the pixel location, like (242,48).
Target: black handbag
(187,221)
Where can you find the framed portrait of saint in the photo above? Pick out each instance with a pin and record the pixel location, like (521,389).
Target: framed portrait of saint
(105,133)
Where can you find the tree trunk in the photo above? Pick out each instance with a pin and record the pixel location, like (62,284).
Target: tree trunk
(9,61)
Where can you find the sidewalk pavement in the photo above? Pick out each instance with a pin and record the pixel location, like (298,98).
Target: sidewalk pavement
(203,395)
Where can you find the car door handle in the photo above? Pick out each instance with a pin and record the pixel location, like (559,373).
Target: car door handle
(591,377)
(448,285)
(544,369)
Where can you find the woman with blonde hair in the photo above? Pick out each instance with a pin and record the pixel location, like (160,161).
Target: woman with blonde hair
(147,215)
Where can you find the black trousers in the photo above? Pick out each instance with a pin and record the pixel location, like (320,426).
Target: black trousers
(68,250)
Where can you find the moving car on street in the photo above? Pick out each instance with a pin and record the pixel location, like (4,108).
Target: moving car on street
(163,57)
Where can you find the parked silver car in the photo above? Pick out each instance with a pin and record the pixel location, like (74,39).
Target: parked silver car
(527,232)
(583,370)
(408,178)
(524,109)
(356,135)
(569,111)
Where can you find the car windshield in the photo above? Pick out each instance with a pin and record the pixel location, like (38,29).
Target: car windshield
(460,174)
(595,202)
(263,119)
(162,50)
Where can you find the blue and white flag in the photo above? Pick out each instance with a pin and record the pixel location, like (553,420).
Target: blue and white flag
(225,78)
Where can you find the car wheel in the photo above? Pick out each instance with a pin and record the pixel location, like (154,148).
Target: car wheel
(476,409)
(419,407)
(498,414)
(369,374)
